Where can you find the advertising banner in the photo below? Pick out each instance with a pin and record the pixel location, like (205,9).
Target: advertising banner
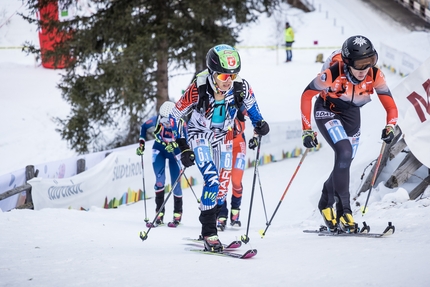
(412,97)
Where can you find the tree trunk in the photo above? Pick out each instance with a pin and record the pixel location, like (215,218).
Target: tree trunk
(162,73)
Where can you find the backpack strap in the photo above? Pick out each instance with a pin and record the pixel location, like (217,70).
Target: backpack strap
(374,70)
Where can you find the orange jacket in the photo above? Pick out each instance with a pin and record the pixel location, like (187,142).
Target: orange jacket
(333,86)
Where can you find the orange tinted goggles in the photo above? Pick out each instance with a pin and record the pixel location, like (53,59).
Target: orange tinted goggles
(224,77)
(363,64)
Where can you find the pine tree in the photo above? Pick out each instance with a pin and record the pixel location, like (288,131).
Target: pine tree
(118,58)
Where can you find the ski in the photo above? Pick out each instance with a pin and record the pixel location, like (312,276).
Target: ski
(246,255)
(232,245)
(389,230)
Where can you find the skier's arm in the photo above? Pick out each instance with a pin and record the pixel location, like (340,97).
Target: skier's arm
(384,95)
(183,107)
(319,83)
(250,104)
(147,125)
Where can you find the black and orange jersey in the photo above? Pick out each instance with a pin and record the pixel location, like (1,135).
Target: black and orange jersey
(333,86)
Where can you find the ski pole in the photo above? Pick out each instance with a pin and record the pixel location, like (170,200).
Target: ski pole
(262,233)
(245,237)
(144,234)
(144,189)
(189,184)
(262,197)
(378,163)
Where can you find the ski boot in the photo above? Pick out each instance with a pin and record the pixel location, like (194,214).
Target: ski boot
(234,218)
(177,216)
(212,243)
(221,223)
(347,224)
(158,221)
(329,217)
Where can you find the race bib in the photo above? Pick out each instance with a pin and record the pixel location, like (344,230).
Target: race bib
(336,131)
(226,156)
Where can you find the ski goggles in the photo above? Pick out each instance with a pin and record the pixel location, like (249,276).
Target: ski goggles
(224,77)
(363,64)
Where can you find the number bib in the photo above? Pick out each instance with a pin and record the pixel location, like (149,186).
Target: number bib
(201,150)
(336,131)
(226,156)
(240,161)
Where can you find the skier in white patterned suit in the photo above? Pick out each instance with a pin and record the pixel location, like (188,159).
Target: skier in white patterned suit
(213,99)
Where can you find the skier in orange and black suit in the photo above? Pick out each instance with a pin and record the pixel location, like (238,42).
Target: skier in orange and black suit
(239,164)
(346,83)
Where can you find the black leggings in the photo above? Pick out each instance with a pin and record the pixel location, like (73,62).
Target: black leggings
(341,130)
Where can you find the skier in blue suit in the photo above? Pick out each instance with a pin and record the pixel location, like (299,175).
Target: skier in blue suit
(164,148)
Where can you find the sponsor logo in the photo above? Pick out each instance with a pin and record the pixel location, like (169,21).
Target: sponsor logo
(57,192)
(323,115)
(126,170)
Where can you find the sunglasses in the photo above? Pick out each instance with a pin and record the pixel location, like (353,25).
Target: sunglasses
(363,64)
(224,77)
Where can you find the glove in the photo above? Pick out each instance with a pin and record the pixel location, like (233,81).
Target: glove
(253,143)
(388,134)
(309,138)
(262,128)
(141,148)
(170,147)
(187,155)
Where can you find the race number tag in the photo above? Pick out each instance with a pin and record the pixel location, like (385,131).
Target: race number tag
(226,156)
(354,143)
(240,161)
(201,150)
(336,131)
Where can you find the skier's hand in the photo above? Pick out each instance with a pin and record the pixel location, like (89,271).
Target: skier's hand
(262,128)
(309,138)
(187,155)
(141,148)
(170,147)
(253,143)
(388,134)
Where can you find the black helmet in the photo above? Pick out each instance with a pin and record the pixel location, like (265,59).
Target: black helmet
(223,59)
(358,52)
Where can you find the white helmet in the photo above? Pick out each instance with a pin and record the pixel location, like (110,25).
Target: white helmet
(166,108)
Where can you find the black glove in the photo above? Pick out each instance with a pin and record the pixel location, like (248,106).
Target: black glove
(262,128)
(253,143)
(141,148)
(309,138)
(187,155)
(388,134)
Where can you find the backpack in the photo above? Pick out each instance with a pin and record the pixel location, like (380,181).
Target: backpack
(203,102)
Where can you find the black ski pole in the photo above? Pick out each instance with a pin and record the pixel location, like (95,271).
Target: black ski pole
(144,188)
(245,237)
(262,233)
(375,174)
(144,234)
(262,197)
(189,184)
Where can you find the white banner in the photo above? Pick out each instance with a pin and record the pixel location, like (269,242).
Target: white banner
(412,97)
(114,181)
